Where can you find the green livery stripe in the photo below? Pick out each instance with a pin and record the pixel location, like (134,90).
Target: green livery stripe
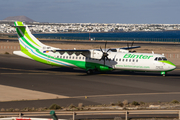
(15,24)
(35,50)
(27,36)
(39,59)
(23,29)
(86,65)
(19,23)
(80,64)
(22,48)
(19,33)
(168,62)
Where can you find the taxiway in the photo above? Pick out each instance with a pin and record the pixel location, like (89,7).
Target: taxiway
(26,83)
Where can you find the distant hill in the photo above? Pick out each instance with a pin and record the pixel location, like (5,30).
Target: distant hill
(20,18)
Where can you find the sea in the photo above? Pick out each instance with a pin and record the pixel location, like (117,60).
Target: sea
(159,36)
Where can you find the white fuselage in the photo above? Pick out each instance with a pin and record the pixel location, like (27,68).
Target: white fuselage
(123,61)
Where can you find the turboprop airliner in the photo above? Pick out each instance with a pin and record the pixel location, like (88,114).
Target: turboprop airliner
(91,59)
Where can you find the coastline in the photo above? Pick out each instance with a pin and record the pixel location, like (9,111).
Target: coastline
(91,32)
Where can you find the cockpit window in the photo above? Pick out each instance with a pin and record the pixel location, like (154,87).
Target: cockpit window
(160,58)
(164,58)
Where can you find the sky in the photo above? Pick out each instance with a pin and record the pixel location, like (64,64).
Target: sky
(94,11)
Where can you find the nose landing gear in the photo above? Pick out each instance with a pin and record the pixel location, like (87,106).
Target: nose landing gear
(163,73)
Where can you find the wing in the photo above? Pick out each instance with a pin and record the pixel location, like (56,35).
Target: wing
(93,53)
(124,48)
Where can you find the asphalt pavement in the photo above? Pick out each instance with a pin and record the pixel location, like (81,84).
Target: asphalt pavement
(35,84)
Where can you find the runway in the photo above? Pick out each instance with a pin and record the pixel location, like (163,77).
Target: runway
(26,83)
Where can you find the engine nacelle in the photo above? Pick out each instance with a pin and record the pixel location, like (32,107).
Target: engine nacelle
(96,54)
(122,50)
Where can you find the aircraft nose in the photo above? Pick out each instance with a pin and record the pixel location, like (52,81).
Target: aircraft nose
(172,67)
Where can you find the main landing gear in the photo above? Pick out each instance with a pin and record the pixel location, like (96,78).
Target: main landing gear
(90,71)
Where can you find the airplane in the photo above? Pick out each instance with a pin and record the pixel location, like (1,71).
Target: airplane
(90,60)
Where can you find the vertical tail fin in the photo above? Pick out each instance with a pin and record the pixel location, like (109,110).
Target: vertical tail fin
(26,39)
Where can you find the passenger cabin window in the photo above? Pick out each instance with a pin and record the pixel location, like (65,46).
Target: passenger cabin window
(119,59)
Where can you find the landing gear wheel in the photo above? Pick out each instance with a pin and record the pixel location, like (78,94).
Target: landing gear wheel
(163,73)
(89,72)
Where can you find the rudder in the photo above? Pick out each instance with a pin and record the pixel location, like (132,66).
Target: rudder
(26,39)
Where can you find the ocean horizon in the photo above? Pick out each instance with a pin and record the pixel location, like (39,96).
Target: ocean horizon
(166,36)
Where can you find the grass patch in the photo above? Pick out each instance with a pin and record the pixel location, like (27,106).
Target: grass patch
(174,101)
(135,103)
(54,107)
(6,53)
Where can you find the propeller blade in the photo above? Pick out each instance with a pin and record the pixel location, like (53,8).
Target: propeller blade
(101,49)
(128,45)
(105,45)
(104,55)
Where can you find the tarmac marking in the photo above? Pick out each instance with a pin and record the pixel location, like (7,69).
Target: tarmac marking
(27,70)
(65,73)
(39,72)
(128,75)
(9,93)
(114,75)
(131,94)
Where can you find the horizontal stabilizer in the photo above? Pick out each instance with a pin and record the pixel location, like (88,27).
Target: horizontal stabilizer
(18,26)
(70,50)
(127,48)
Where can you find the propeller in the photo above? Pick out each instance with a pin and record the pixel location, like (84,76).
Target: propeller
(105,54)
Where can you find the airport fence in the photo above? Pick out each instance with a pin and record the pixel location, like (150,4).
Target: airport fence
(74,114)
(10,47)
